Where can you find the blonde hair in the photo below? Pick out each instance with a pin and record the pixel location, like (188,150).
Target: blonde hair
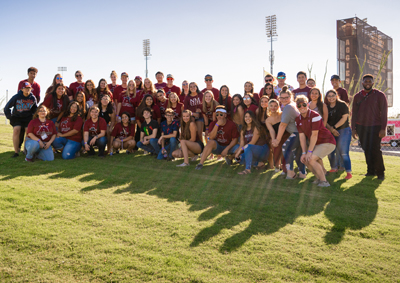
(214,103)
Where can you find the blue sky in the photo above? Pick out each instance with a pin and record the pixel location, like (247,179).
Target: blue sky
(188,39)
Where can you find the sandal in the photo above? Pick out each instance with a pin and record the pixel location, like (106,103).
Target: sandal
(244,172)
(260,167)
(292,178)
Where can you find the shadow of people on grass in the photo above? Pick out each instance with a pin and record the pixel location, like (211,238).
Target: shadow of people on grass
(353,208)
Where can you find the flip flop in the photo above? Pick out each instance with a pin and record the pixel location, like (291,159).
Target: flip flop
(292,178)
(244,172)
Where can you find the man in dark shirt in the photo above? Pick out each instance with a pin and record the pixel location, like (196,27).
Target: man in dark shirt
(368,122)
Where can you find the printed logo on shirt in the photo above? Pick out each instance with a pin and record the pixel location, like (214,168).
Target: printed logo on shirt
(195,101)
(221,138)
(64,126)
(43,129)
(23,105)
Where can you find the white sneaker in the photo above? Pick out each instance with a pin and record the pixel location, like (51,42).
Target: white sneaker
(182,165)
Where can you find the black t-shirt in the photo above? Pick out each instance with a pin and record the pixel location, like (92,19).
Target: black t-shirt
(106,115)
(336,113)
(147,129)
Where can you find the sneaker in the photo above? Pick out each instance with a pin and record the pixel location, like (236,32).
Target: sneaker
(349,176)
(282,173)
(29,160)
(183,165)
(277,170)
(199,166)
(15,155)
(324,184)
(381,177)
(144,152)
(316,182)
(333,171)
(228,161)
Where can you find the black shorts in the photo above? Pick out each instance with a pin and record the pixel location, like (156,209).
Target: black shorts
(17,121)
(201,144)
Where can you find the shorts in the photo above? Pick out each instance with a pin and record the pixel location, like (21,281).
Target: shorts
(20,121)
(323,149)
(201,144)
(200,119)
(220,149)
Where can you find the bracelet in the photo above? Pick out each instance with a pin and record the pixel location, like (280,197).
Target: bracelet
(303,153)
(85,143)
(38,141)
(243,148)
(310,151)
(216,125)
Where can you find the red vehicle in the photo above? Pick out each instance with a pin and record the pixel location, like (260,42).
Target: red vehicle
(392,133)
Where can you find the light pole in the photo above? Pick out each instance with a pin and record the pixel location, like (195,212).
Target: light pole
(270,28)
(62,70)
(146,52)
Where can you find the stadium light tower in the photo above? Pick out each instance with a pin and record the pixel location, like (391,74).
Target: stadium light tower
(270,27)
(146,52)
(62,70)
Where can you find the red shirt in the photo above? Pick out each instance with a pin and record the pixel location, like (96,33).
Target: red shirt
(193,103)
(48,102)
(228,102)
(252,107)
(95,128)
(128,104)
(174,88)
(302,91)
(120,131)
(112,87)
(343,94)
(101,93)
(67,90)
(162,106)
(143,93)
(35,89)
(208,113)
(76,87)
(214,90)
(313,122)
(42,130)
(66,125)
(178,111)
(226,133)
(117,92)
(160,85)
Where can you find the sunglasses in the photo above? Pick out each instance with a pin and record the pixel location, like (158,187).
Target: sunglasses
(185,84)
(58,78)
(299,105)
(281,78)
(219,114)
(246,98)
(208,80)
(78,76)
(170,79)
(268,81)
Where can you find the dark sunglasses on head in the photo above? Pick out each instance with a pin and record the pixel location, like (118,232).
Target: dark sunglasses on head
(219,114)
(299,105)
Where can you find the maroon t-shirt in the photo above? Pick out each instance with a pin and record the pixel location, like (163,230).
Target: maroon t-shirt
(35,89)
(193,103)
(95,128)
(160,85)
(343,94)
(120,131)
(76,87)
(128,104)
(226,133)
(117,92)
(66,125)
(208,113)
(112,87)
(67,90)
(42,130)
(252,107)
(103,92)
(313,122)
(228,105)
(302,91)
(162,106)
(178,111)
(182,97)
(214,90)
(48,102)
(174,88)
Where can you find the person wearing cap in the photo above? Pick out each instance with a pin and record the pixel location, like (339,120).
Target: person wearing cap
(79,85)
(24,105)
(342,93)
(170,87)
(139,84)
(281,82)
(208,79)
(368,122)
(32,72)
(160,78)
(121,88)
(223,135)
(303,89)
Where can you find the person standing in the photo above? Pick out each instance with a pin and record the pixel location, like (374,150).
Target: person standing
(267,79)
(303,88)
(368,122)
(113,84)
(281,82)
(24,106)
(79,85)
(342,93)
(208,79)
(32,72)
(170,87)
(119,90)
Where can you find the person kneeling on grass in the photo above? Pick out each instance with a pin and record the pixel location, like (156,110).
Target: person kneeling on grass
(169,130)
(69,135)
(321,142)
(123,134)
(41,133)
(223,135)
(148,133)
(191,143)
(252,143)
(94,132)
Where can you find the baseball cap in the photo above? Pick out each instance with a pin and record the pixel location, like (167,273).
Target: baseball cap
(281,74)
(124,74)
(138,78)
(169,76)
(208,76)
(27,85)
(335,77)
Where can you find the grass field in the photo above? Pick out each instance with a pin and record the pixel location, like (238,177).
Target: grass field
(131,218)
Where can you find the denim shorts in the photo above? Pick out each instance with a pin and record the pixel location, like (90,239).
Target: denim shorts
(220,149)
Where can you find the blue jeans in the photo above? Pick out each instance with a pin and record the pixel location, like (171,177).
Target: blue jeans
(292,151)
(254,154)
(220,148)
(33,147)
(173,143)
(153,147)
(70,147)
(342,150)
(100,143)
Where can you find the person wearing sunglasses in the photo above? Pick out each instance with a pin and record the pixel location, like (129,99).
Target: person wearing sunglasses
(58,80)
(281,82)
(168,140)
(269,91)
(338,124)
(250,103)
(320,140)
(267,79)
(223,137)
(170,87)
(303,89)
(208,79)
(79,85)
(291,147)
(185,90)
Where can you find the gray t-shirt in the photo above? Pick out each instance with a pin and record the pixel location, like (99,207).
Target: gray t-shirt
(289,114)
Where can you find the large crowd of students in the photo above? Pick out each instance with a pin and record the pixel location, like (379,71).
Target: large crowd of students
(273,129)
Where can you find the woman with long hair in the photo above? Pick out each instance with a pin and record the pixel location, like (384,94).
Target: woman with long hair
(108,114)
(191,143)
(40,134)
(128,101)
(69,136)
(250,103)
(237,109)
(316,104)
(139,84)
(193,102)
(103,89)
(94,132)
(225,98)
(83,107)
(252,143)
(262,111)
(113,84)
(185,91)
(90,93)
(123,134)
(58,80)
(57,102)
(175,104)
(338,124)
(249,89)
(269,91)
(208,109)
(148,101)
(148,88)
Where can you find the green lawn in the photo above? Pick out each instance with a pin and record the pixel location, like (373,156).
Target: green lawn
(131,218)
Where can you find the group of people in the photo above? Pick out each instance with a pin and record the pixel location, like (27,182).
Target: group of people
(275,127)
